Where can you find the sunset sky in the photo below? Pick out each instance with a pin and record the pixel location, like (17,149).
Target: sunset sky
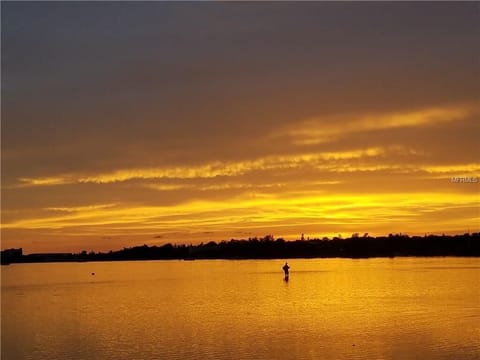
(145,123)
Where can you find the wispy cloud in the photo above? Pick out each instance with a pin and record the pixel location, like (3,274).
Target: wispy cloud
(44,181)
(210,170)
(319,130)
(79,209)
(457,169)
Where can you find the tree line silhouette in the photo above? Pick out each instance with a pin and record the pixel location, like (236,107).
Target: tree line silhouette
(270,248)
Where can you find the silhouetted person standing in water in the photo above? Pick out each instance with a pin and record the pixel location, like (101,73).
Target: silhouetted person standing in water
(285,269)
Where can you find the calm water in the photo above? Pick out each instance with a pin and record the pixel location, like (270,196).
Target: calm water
(406,308)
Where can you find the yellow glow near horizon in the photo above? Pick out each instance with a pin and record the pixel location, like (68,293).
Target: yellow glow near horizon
(344,208)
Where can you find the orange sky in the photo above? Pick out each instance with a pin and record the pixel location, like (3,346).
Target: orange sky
(127,124)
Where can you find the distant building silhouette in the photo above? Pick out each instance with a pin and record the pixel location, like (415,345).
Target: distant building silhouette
(11,255)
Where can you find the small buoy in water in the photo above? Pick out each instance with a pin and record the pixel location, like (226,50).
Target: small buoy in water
(93,273)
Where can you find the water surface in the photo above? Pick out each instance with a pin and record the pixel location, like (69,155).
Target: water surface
(402,308)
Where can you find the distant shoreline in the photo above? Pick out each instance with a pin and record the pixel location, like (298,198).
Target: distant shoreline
(356,247)
(243,259)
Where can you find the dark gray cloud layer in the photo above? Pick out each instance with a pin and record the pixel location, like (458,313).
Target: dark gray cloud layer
(95,78)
